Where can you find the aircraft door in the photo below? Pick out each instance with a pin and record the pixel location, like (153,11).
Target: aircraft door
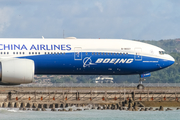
(138,56)
(77,53)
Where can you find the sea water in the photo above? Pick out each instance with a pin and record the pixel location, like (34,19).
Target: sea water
(15,114)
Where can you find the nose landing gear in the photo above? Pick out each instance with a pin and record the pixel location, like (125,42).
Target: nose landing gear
(140,85)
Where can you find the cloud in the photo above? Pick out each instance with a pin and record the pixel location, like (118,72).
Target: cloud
(99,5)
(5,14)
(130,19)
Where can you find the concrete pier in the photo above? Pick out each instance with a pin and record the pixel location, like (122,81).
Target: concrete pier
(111,98)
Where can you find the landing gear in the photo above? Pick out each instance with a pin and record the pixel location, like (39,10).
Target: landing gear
(140,85)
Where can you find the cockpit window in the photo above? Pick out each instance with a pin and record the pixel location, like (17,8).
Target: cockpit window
(161,52)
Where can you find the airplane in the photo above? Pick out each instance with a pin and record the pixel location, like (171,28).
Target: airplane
(21,58)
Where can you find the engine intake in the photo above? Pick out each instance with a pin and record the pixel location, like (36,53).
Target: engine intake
(16,71)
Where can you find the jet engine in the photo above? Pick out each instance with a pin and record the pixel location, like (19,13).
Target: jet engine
(16,71)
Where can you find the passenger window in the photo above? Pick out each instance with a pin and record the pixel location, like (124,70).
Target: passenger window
(61,53)
(16,52)
(104,53)
(45,53)
(13,52)
(35,52)
(7,52)
(86,53)
(19,52)
(92,53)
(95,53)
(64,53)
(32,52)
(120,53)
(4,52)
(39,53)
(29,52)
(23,52)
(107,53)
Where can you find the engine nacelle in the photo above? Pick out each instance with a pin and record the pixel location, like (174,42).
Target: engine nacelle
(16,71)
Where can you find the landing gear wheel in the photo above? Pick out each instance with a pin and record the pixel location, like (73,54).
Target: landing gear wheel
(140,86)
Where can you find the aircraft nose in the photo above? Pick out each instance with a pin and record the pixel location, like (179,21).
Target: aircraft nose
(166,62)
(171,60)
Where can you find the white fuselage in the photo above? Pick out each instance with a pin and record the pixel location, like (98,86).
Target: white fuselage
(85,56)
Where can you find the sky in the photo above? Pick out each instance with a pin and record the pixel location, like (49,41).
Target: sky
(111,19)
